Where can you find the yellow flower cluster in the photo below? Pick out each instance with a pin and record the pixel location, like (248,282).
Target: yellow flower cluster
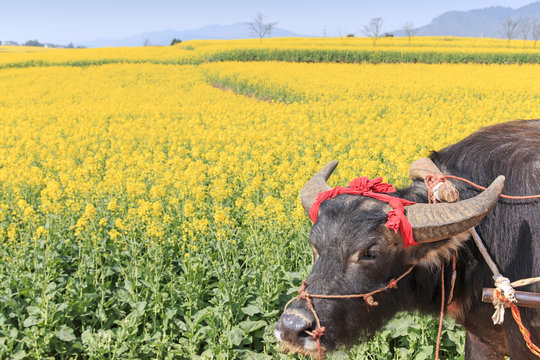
(159,152)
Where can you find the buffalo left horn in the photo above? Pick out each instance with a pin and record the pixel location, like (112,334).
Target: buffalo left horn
(316,185)
(432,222)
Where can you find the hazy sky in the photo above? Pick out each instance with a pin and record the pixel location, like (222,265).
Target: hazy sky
(64,21)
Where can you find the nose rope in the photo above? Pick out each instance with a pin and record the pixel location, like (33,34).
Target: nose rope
(318,332)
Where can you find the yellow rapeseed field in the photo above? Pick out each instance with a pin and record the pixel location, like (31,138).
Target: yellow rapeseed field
(201,50)
(159,202)
(152,137)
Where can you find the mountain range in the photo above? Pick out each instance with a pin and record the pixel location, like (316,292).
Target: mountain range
(164,37)
(473,23)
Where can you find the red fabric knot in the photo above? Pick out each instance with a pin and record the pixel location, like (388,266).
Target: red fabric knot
(376,189)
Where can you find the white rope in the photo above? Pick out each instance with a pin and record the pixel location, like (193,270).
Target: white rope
(523,282)
(502,284)
(505,287)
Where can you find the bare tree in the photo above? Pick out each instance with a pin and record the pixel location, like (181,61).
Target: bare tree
(509,29)
(147,42)
(410,30)
(373,29)
(259,28)
(524,28)
(535,24)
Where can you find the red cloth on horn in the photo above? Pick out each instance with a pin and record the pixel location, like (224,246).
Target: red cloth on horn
(376,189)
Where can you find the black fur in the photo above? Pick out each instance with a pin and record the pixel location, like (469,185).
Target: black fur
(358,254)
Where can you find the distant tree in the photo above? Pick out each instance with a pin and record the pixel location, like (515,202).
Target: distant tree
(70,46)
(33,43)
(535,24)
(147,42)
(387,34)
(350,35)
(524,28)
(508,29)
(409,29)
(175,41)
(259,28)
(373,29)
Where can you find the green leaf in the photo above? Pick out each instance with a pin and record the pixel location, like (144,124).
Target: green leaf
(33,310)
(235,336)
(86,336)
(169,314)
(101,314)
(199,316)
(51,287)
(62,306)
(140,306)
(251,355)
(250,326)
(424,353)
(65,333)
(251,310)
(21,354)
(138,311)
(31,321)
(271,313)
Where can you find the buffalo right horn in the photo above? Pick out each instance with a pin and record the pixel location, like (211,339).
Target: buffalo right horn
(317,184)
(432,222)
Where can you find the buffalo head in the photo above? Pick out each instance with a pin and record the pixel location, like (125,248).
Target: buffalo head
(354,253)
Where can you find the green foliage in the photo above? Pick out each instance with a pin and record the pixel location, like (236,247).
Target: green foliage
(102,300)
(144,301)
(411,336)
(175,41)
(372,56)
(304,55)
(261,90)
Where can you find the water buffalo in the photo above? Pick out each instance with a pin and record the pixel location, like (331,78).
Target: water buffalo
(354,252)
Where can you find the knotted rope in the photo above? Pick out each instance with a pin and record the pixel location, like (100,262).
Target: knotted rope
(434,181)
(362,186)
(505,293)
(517,317)
(368,298)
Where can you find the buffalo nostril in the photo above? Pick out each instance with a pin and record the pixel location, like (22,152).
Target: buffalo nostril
(292,324)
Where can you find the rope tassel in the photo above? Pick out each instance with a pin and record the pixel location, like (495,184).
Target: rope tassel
(503,286)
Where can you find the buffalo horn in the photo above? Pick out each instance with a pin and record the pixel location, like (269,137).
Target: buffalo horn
(316,185)
(432,222)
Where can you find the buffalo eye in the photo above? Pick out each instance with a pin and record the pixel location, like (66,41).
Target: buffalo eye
(364,255)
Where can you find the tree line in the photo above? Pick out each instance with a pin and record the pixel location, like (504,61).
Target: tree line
(509,29)
(524,26)
(39,44)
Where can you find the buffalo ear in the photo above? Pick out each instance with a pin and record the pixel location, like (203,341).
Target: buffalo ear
(434,253)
